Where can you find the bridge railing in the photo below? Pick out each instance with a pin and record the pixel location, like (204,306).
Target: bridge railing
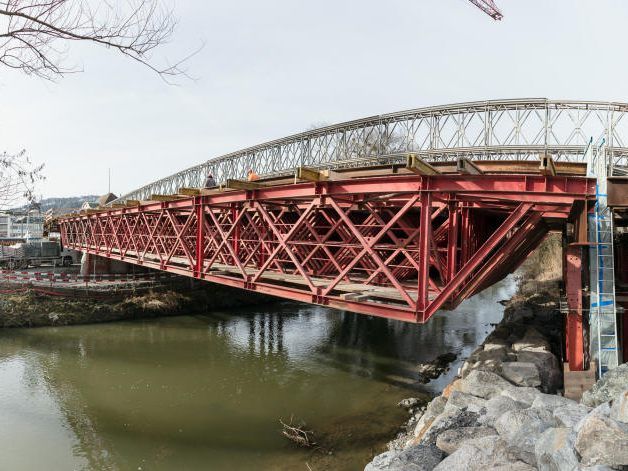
(491,130)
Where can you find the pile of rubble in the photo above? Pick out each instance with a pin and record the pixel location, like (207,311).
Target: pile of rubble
(502,413)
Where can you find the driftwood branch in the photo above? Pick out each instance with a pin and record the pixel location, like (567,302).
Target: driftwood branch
(298,435)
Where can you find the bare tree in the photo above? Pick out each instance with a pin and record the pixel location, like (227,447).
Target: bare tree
(35,34)
(18,177)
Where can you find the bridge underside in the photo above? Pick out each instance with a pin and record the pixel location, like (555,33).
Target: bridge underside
(399,247)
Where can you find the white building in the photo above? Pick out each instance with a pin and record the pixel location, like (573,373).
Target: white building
(22,224)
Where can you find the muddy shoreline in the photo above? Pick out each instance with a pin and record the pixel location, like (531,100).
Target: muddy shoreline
(30,308)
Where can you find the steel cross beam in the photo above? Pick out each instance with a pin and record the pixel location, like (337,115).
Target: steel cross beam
(518,129)
(400,247)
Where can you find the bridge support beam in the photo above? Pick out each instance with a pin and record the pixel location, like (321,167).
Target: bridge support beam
(574,273)
(574,337)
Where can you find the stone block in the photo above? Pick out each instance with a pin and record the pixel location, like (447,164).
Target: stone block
(602,440)
(450,440)
(521,373)
(554,450)
(527,395)
(521,428)
(485,384)
(497,406)
(608,387)
(619,409)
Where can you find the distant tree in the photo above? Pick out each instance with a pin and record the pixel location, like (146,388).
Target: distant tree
(35,34)
(374,141)
(18,178)
(368,142)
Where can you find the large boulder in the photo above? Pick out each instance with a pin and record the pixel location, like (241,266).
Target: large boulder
(526,395)
(416,458)
(455,385)
(433,410)
(460,400)
(382,461)
(495,343)
(484,384)
(608,387)
(480,454)
(514,466)
(619,410)
(554,450)
(486,360)
(455,419)
(551,402)
(569,416)
(532,341)
(597,467)
(549,368)
(521,373)
(602,440)
(450,440)
(497,406)
(521,428)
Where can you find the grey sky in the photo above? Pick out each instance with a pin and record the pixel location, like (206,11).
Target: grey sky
(272,68)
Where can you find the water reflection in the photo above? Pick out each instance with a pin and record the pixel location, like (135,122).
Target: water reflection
(206,392)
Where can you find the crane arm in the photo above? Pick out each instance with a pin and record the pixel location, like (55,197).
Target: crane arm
(488,7)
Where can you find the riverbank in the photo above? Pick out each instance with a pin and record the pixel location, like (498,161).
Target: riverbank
(504,409)
(31,308)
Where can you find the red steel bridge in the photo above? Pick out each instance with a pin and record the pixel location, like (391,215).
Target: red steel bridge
(394,216)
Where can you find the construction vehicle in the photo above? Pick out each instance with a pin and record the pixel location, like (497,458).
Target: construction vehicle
(35,254)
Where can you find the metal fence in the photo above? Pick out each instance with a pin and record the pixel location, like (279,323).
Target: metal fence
(519,129)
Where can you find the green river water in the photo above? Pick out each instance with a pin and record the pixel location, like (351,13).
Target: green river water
(207,392)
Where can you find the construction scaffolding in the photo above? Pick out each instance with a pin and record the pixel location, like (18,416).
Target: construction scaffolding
(603,321)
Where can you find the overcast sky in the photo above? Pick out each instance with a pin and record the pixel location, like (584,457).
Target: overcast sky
(274,67)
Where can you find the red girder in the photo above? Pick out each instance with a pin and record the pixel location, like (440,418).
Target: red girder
(398,247)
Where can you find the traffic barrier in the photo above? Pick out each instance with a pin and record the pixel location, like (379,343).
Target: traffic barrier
(51,277)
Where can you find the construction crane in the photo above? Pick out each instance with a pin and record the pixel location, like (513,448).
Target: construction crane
(488,7)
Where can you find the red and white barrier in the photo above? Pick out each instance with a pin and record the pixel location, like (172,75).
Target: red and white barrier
(51,277)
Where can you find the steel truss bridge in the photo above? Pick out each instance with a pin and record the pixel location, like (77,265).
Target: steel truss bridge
(379,238)
(394,246)
(519,129)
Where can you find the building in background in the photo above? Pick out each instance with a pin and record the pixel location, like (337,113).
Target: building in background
(21,224)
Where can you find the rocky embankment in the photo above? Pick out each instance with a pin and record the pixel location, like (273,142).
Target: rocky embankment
(31,309)
(503,411)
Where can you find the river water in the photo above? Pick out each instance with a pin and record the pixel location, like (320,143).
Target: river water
(207,392)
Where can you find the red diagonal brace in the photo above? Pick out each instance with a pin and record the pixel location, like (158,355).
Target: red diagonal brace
(477,258)
(424,253)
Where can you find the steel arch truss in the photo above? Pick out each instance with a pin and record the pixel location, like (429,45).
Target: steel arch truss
(519,129)
(398,247)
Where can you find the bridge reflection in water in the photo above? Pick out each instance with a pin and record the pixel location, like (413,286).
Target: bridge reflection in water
(205,392)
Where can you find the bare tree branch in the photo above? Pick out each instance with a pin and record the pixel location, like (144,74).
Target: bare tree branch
(35,34)
(18,179)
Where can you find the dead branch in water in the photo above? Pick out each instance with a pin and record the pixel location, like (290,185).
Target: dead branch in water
(298,435)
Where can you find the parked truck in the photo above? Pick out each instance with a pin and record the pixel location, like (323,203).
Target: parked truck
(35,254)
